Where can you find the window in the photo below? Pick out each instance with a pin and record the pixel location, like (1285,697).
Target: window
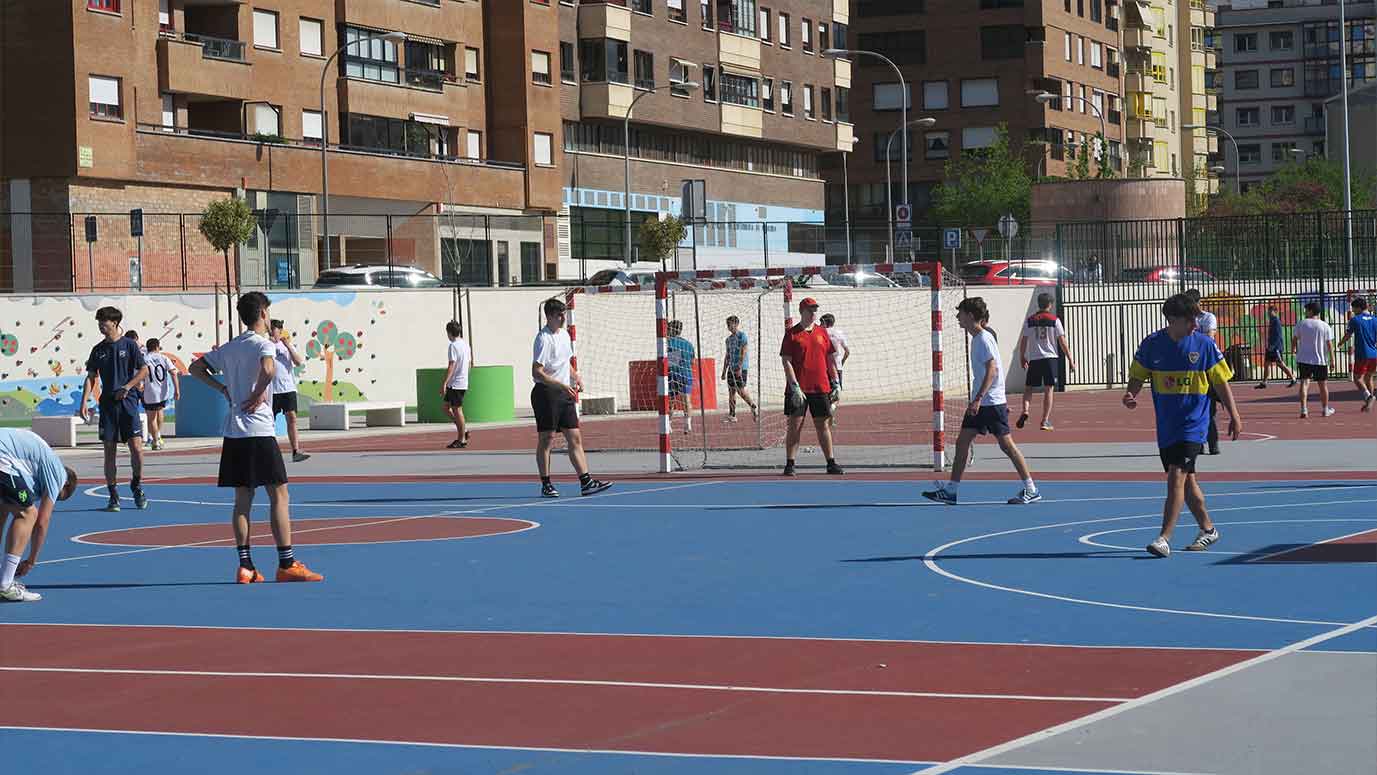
(824,36)
(1283,114)
(427,64)
(766,26)
(740,90)
(1245,79)
(1080,50)
(843,104)
(311,126)
(709,84)
(937,145)
(887,96)
(471,71)
(1096,14)
(767,94)
(265,120)
(169,111)
(784,23)
(604,60)
(1283,77)
(644,62)
(568,72)
(1250,153)
(808,110)
(676,12)
(164,16)
(105,96)
(892,142)
(678,74)
(374,60)
(935,95)
(904,47)
(395,135)
(786,98)
(310,30)
(825,97)
(1066,46)
(265,29)
(642,6)
(806,35)
(1283,151)
(540,67)
(1005,41)
(113,6)
(474,140)
(979,92)
(544,149)
(1281,40)
(705,13)
(978,137)
(1245,42)
(1096,56)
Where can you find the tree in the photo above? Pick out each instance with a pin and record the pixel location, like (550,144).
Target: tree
(980,186)
(1313,185)
(660,238)
(1104,172)
(226,223)
(329,343)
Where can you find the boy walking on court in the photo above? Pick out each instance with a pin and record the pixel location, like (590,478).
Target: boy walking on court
(557,384)
(163,384)
(118,364)
(1313,341)
(284,384)
(681,356)
(810,378)
(32,480)
(1207,324)
(456,382)
(250,457)
(736,369)
(841,352)
(1362,329)
(1182,365)
(1275,343)
(988,411)
(1044,332)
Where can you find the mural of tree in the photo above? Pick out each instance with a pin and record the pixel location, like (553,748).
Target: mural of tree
(327,344)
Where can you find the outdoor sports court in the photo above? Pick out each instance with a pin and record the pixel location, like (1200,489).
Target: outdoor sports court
(727,621)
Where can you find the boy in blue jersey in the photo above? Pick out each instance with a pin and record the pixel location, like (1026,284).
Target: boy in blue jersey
(681,356)
(1275,343)
(32,481)
(736,369)
(1183,364)
(116,364)
(1362,329)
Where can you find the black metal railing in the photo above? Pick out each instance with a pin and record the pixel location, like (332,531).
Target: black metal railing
(425,78)
(217,48)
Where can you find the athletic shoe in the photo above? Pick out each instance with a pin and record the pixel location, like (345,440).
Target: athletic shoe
(593,487)
(755,413)
(1367,402)
(835,470)
(16,593)
(1025,495)
(1305,413)
(1291,384)
(1213,450)
(548,491)
(1159,547)
(1047,426)
(456,444)
(113,504)
(941,495)
(298,572)
(300,457)
(140,500)
(248,576)
(1260,386)
(729,418)
(1203,540)
(1329,411)
(789,469)
(1022,420)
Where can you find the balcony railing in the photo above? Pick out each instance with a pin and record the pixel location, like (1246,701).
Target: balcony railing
(1314,124)
(1114,117)
(425,78)
(1112,69)
(217,48)
(1111,24)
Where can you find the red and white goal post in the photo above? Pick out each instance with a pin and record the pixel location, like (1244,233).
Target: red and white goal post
(893,389)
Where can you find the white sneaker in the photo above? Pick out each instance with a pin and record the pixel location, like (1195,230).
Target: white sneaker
(1305,413)
(1024,496)
(1329,411)
(1159,547)
(1203,540)
(16,593)
(941,494)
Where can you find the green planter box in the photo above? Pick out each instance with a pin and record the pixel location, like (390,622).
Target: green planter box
(491,397)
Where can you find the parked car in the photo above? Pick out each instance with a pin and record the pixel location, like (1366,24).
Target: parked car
(1033,272)
(861,280)
(619,278)
(375,276)
(1163,274)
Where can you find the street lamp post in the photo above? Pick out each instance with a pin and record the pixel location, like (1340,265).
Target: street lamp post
(1046,97)
(1238,160)
(626,152)
(1344,39)
(393,37)
(837,53)
(926,121)
(846,196)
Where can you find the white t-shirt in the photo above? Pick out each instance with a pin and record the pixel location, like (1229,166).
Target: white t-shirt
(459,354)
(839,342)
(1206,323)
(1042,340)
(284,381)
(553,350)
(237,361)
(984,348)
(1312,342)
(158,387)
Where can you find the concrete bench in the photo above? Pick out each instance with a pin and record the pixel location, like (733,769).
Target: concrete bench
(61,430)
(597,404)
(335,416)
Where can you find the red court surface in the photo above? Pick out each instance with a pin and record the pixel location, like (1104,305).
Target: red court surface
(353,530)
(894,700)
(1359,547)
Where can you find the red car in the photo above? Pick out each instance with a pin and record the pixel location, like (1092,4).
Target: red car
(1164,274)
(1032,272)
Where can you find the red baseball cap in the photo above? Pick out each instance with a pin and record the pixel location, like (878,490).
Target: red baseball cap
(809,302)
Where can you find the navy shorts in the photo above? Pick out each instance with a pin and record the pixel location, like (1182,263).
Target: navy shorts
(455,396)
(554,409)
(1182,454)
(1042,372)
(990,419)
(737,378)
(118,424)
(284,402)
(1273,356)
(14,492)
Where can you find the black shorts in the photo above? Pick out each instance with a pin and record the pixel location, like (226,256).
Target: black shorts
(255,461)
(155,407)
(284,402)
(737,379)
(1041,373)
(1182,454)
(679,386)
(14,492)
(1313,371)
(816,404)
(554,409)
(455,396)
(990,419)
(118,424)
(1273,356)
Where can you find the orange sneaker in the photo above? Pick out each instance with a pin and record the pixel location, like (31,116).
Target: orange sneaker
(248,576)
(298,572)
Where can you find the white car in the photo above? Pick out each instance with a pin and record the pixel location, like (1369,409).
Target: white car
(376,276)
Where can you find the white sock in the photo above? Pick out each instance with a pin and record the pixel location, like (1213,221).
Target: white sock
(953,487)
(1029,486)
(11,565)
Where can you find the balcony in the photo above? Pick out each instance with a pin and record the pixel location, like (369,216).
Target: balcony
(194,64)
(841,73)
(604,21)
(420,91)
(1137,37)
(1314,125)
(845,137)
(738,51)
(606,100)
(742,121)
(1137,81)
(1139,128)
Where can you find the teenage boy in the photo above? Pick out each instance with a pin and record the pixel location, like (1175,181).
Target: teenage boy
(284,384)
(1207,324)
(681,357)
(1362,329)
(1182,364)
(1313,341)
(163,385)
(810,378)
(988,411)
(1275,342)
(736,369)
(1044,332)
(32,480)
(841,353)
(456,382)
(117,363)
(250,457)
(557,385)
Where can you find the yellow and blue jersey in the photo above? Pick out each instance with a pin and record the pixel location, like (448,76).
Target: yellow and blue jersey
(1181,374)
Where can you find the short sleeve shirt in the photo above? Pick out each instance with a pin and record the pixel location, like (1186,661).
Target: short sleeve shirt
(116,362)
(460,356)
(1274,340)
(1181,374)
(738,355)
(238,361)
(284,377)
(984,350)
(1043,331)
(1312,342)
(681,360)
(553,351)
(157,388)
(1363,328)
(1206,323)
(808,349)
(839,342)
(29,457)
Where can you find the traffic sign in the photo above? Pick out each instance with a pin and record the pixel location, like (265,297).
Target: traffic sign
(903,214)
(951,238)
(90,228)
(136,222)
(979,235)
(1008,226)
(904,239)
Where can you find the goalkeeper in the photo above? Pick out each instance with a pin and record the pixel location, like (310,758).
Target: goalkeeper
(810,376)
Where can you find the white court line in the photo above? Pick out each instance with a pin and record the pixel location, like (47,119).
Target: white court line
(1298,548)
(1146,699)
(1089,538)
(530,525)
(558,682)
(932,555)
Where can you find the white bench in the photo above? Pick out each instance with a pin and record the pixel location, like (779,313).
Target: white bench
(335,416)
(61,430)
(598,404)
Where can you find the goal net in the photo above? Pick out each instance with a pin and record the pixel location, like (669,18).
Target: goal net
(656,375)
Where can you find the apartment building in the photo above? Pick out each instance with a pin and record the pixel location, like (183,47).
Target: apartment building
(1280,62)
(166,105)
(733,93)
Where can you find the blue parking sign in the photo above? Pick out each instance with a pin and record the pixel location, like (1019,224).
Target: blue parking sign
(951,239)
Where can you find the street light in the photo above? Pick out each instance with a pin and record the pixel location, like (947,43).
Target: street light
(394,37)
(838,53)
(925,122)
(1299,154)
(846,195)
(626,149)
(1238,160)
(1046,98)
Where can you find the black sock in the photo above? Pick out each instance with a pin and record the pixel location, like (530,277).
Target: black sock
(545,480)
(285,558)
(245,559)
(134,484)
(584,479)
(789,463)
(831,461)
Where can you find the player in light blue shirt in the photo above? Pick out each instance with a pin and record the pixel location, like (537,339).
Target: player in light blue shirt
(1362,329)
(32,480)
(736,368)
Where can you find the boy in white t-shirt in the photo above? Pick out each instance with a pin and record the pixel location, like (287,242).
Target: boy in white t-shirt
(250,457)
(841,353)
(162,385)
(988,411)
(557,385)
(1039,352)
(457,382)
(284,384)
(1313,342)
